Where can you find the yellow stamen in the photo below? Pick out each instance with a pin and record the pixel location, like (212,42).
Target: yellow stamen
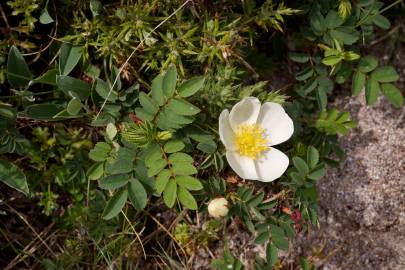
(250,140)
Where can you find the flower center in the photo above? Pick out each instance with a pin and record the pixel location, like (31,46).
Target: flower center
(250,140)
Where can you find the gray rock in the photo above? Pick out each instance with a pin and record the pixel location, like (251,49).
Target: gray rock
(362,204)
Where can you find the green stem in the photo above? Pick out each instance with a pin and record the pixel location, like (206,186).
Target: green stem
(27,95)
(381,11)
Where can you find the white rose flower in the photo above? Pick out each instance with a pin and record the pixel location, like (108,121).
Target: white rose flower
(249,131)
(218,207)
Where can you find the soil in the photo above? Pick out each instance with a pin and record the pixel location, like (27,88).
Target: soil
(362,203)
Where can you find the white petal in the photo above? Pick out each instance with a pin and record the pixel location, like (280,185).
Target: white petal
(271,165)
(245,111)
(275,121)
(226,133)
(243,166)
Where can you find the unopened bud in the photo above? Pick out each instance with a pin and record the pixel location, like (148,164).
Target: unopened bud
(164,135)
(218,207)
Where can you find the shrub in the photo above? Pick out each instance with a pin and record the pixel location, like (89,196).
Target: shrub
(109,121)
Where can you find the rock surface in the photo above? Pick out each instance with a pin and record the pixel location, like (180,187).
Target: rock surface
(362,215)
(362,204)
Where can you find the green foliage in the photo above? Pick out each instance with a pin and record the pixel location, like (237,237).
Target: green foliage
(161,152)
(26,8)
(392,93)
(334,122)
(306,265)
(173,169)
(378,81)
(306,171)
(68,58)
(13,176)
(11,140)
(115,204)
(182,233)
(227,262)
(140,135)
(332,31)
(251,206)
(48,202)
(18,74)
(166,108)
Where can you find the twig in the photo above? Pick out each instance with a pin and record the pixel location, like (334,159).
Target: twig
(51,36)
(166,231)
(247,65)
(136,233)
(102,254)
(32,228)
(4,16)
(276,196)
(392,31)
(29,249)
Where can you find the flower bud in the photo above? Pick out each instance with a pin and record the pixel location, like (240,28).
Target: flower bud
(164,135)
(218,207)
